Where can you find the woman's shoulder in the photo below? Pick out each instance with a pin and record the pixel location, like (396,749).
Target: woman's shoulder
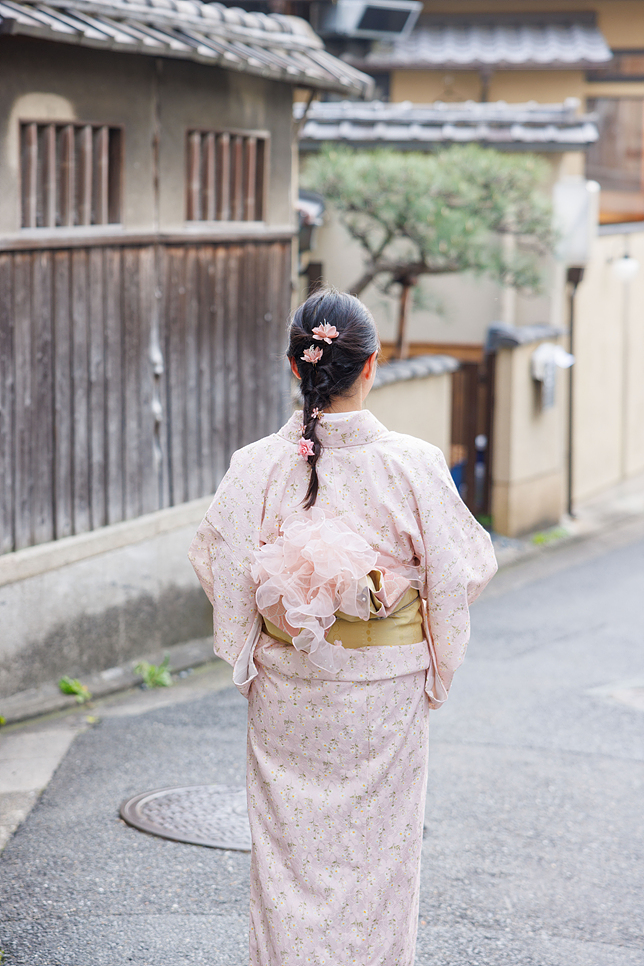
(267,448)
(412,449)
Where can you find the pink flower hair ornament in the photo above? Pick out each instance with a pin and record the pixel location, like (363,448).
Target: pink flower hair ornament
(313,354)
(325,333)
(305,448)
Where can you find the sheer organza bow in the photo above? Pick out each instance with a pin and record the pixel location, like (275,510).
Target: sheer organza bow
(317,567)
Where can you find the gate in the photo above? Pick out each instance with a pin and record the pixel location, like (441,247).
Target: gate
(472,424)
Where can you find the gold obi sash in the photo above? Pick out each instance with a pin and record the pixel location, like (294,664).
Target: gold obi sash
(404,626)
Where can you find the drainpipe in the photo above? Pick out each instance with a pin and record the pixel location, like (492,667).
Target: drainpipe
(574,276)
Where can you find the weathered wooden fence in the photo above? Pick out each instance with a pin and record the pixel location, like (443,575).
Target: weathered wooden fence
(129,374)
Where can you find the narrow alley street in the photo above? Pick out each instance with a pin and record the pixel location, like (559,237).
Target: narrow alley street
(535,818)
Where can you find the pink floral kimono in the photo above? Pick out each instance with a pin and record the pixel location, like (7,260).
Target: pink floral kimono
(337,736)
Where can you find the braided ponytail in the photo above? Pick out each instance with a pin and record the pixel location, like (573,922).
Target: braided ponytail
(338,363)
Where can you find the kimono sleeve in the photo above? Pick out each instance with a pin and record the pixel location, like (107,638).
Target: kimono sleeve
(459,562)
(230,589)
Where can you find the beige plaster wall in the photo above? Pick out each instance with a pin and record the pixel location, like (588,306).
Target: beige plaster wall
(51,81)
(528,447)
(426,86)
(418,407)
(513,86)
(608,441)
(545,86)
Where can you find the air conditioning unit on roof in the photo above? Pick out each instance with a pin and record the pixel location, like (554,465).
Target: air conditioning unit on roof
(368,19)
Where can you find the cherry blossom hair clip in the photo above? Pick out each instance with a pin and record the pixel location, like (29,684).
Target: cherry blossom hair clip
(305,448)
(325,333)
(315,414)
(313,355)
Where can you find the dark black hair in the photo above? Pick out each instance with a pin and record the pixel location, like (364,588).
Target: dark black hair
(341,363)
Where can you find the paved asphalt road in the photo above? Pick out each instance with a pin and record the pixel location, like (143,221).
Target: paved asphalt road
(534,853)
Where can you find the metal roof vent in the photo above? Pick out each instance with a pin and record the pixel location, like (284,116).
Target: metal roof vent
(367,19)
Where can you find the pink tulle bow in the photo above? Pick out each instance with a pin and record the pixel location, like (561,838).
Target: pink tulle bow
(325,333)
(313,354)
(318,566)
(305,448)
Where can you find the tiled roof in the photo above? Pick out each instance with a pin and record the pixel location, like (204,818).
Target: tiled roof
(399,370)
(419,126)
(495,43)
(270,45)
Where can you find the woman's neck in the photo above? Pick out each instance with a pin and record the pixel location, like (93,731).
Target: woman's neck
(345,404)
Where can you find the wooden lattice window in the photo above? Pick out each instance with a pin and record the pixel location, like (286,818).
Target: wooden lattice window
(226,176)
(70,174)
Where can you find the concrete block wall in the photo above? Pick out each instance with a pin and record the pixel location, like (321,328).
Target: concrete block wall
(89,602)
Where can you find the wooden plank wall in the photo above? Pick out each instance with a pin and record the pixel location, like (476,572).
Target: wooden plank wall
(129,375)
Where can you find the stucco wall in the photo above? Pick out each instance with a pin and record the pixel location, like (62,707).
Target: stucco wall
(51,81)
(419,407)
(528,447)
(609,385)
(513,86)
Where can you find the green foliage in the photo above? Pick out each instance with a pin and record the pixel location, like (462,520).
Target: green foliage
(544,537)
(73,686)
(155,675)
(418,214)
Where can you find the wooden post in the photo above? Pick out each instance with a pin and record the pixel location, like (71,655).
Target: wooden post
(67,175)
(194,176)
(209,211)
(260,178)
(490,368)
(30,174)
(314,273)
(471,372)
(250,178)
(223,177)
(49,148)
(85,199)
(102,175)
(237,213)
(402,343)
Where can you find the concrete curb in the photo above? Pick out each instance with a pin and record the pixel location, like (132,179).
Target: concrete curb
(48,698)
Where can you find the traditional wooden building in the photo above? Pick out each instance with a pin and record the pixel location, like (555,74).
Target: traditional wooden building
(147,165)
(145,250)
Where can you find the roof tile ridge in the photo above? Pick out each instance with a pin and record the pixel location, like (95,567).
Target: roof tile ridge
(289,33)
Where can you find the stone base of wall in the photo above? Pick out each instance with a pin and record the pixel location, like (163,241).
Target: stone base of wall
(521,508)
(90,603)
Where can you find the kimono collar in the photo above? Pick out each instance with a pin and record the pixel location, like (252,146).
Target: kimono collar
(350,429)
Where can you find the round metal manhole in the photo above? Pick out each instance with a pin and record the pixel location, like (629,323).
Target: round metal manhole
(211,815)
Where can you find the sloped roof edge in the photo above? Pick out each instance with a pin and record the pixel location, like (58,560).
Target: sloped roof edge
(495,44)
(269,45)
(530,126)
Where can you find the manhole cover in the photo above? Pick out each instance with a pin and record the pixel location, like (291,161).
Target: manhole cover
(212,815)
